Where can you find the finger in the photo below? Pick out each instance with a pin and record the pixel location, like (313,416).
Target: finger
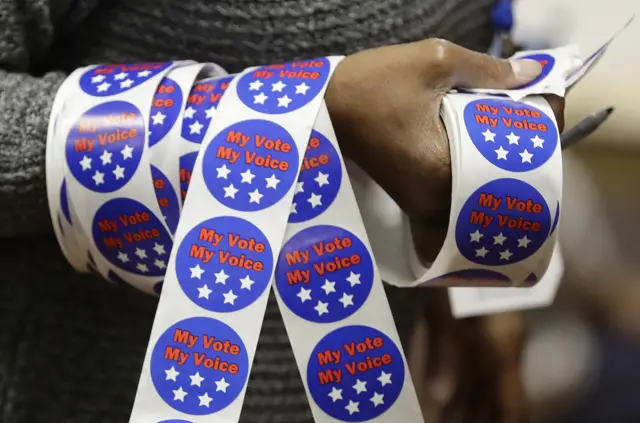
(469,69)
(557,105)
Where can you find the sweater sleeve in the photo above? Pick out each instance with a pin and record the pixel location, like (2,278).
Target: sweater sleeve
(27,32)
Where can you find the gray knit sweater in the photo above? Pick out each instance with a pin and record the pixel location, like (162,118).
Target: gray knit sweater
(71,346)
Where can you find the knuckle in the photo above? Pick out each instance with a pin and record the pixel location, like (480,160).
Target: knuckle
(439,52)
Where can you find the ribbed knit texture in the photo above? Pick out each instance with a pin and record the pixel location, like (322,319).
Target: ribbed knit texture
(71,346)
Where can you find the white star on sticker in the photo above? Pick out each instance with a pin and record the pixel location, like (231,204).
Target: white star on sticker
(322,179)
(223,171)
(481,252)
(354,279)
(126,84)
(98,78)
(127,152)
(255,196)
(85,163)
(210,112)
(299,188)
(230,191)
(499,239)
(315,200)
(526,156)
(105,157)
(260,98)
(98,178)
(255,85)
(195,127)
(335,394)
(179,394)
(346,300)
(385,378)
(513,139)
(120,76)
(304,294)
(230,297)
(294,208)
(103,87)
(284,101)
(141,253)
(188,113)
(502,153)
(196,380)
(123,257)
(159,264)
(246,282)
(328,287)
(360,386)
(172,374)
(475,236)
(159,249)
(144,73)
(537,142)
(302,88)
(377,399)
(505,255)
(278,86)
(158,118)
(221,277)
(204,292)
(142,267)
(196,272)
(247,176)
(352,407)
(321,308)
(118,172)
(272,181)
(523,242)
(222,385)
(489,136)
(205,400)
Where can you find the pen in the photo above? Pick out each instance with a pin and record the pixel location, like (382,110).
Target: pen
(585,127)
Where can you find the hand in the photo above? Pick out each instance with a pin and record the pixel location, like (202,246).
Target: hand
(385,105)
(385,108)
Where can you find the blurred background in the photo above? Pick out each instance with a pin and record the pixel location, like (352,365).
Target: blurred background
(582,359)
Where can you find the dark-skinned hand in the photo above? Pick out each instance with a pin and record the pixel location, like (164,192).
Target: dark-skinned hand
(385,107)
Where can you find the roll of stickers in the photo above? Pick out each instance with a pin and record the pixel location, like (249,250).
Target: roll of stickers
(269,200)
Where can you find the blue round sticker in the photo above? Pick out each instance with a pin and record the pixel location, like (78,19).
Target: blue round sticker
(513,136)
(547,62)
(107,80)
(167,199)
(324,274)
(505,221)
(174,421)
(470,277)
(187,162)
(105,146)
(199,366)
(556,219)
(250,165)
(224,264)
(64,201)
(319,180)
(278,89)
(201,106)
(131,237)
(355,373)
(165,108)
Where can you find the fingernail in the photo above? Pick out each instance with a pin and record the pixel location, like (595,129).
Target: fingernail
(526,69)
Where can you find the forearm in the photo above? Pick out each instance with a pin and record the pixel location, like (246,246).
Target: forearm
(25,104)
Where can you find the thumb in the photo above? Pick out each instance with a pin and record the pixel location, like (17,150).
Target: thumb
(470,69)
